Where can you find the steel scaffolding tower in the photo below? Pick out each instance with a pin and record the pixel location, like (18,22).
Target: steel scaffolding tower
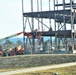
(63,14)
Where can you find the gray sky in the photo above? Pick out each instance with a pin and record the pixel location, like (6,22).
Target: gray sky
(10,17)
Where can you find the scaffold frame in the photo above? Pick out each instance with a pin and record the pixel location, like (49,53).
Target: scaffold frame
(61,18)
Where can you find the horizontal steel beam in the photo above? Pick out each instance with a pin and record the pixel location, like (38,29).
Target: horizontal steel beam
(62,33)
(66,4)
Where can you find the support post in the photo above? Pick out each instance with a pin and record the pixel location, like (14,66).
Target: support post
(32,22)
(42,24)
(65,39)
(55,29)
(50,27)
(23,27)
(72,25)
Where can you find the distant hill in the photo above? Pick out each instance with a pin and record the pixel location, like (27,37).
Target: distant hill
(14,39)
(21,39)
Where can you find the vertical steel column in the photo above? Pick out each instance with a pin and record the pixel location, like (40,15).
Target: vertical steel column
(23,27)
(42,24)
(50,27)
(38,14)
(55,28)
(55,15)
(26,43)
(38,18)
(38,22)
(64,15)
(72,25)
(32,22)
(58,37)
(41,18)
(65,39)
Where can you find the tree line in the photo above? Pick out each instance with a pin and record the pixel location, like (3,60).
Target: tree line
(10,44)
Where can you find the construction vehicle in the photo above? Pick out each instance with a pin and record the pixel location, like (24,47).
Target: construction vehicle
(12,51)
(19,49)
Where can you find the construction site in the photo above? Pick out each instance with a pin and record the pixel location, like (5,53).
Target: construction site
(61,13)
(49,18)
(48,42)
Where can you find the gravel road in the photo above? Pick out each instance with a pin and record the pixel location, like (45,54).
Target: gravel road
(37,68)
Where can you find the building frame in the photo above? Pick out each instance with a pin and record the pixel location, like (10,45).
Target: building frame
(61,18)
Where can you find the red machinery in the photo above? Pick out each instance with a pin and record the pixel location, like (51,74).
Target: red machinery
(19,49)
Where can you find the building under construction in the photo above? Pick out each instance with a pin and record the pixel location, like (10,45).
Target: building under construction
(51,18)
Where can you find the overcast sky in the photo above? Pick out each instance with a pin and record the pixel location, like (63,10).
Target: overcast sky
(10,17)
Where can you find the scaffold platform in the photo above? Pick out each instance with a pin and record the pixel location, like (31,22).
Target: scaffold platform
(61,34)
(58,14)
